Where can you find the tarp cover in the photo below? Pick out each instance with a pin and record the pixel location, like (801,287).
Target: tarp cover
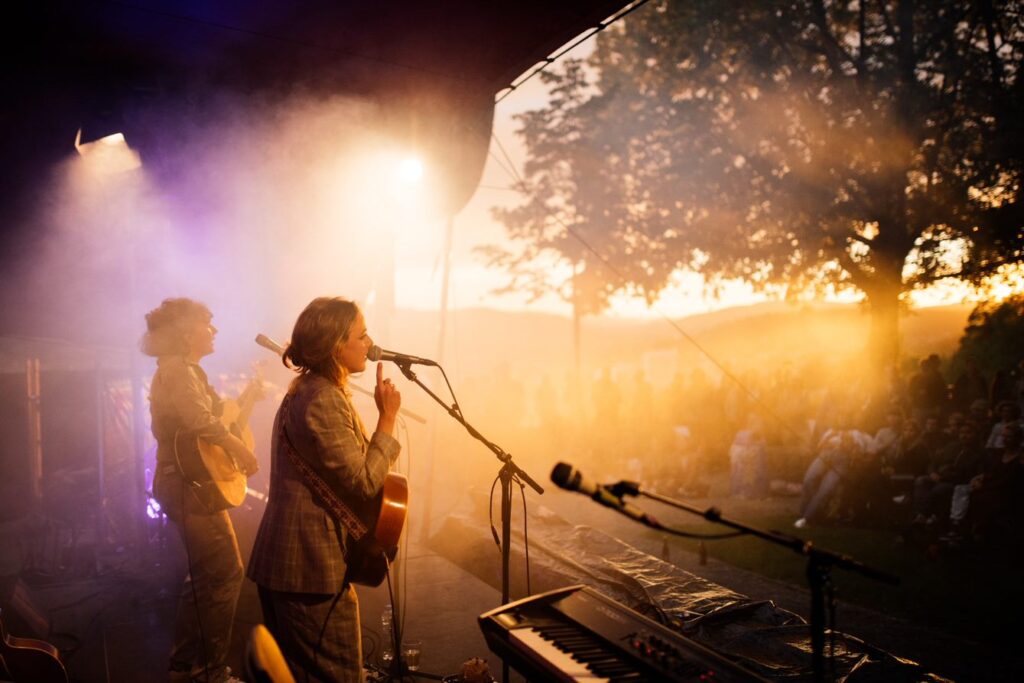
(764,638)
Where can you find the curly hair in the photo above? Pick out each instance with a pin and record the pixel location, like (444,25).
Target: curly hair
(167,325)
(320,329)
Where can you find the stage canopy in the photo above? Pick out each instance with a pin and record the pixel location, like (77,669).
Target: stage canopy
(435,67)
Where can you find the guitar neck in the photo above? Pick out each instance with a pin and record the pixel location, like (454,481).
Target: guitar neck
(246,402)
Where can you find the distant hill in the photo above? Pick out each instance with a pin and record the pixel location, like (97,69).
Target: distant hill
(479,341)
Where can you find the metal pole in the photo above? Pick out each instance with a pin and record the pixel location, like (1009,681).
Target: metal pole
(35,428)
(101,458)
(428,499)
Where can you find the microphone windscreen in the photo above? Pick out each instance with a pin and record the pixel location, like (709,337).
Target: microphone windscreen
(268,343)
(374,353)
(562,474)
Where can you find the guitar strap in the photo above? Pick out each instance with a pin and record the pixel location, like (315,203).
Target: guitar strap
(335,505)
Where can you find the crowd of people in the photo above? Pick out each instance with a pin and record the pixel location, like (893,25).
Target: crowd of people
(945,461)
(922,452)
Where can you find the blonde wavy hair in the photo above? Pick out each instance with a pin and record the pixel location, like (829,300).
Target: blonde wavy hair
(168,324)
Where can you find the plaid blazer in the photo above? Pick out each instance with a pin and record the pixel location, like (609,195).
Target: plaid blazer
(299,547)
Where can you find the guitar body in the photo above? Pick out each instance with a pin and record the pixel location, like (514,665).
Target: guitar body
(213,475)
(26,660)
(368,558)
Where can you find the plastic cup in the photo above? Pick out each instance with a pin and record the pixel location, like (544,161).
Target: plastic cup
(411,650)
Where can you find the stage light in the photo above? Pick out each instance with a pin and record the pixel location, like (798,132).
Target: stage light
(153,510)
(410,171)
(110,153)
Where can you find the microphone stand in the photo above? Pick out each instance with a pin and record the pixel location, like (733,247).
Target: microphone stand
(819,563)
(508,473)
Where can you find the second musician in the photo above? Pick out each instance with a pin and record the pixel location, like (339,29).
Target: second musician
(298,560)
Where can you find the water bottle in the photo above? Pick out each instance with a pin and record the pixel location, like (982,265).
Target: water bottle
(387,652)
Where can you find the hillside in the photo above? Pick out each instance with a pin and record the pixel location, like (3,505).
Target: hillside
(479,340)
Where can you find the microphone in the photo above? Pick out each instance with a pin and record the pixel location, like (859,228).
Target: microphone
(268,343)
(571,479)
(376,353)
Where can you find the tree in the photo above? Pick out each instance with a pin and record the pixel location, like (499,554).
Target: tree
(802,146)
(994,337)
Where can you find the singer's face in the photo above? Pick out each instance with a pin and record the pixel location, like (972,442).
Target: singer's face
(352,352)
(200,339)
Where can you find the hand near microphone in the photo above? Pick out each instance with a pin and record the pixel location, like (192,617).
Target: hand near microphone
(388,400)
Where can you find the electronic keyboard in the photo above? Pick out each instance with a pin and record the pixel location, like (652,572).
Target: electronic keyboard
(577,634)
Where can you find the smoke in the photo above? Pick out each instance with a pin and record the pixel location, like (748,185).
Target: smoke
(254,207)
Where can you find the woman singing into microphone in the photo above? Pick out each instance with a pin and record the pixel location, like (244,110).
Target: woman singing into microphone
(298,559)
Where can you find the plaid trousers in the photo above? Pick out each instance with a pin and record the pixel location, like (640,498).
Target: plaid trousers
(318,634)
(209,594)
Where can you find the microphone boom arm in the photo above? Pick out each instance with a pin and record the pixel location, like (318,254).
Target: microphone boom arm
(271,345)
(456,415)
(819,565)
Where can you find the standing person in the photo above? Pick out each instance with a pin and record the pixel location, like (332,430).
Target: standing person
(179,333)
(928,390)
(298,559)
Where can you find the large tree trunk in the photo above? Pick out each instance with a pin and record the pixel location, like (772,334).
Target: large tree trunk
(883,339)
(885,284)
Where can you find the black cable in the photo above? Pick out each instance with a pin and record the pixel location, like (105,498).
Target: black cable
(520,184)
(490,513)
(508,158)
(396,628)
(501,163)
(455,401)
(703,537)
(77,602)
(526,536)
(323,628)
(403,571)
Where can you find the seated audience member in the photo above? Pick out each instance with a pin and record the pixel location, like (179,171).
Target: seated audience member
(988,507)
(886,440)
(952,428)
(982,417)
(909,462)
(896,455)
(747,459)
(933,436)
(838,449)
(955,464)
(910,458)
(1008,412)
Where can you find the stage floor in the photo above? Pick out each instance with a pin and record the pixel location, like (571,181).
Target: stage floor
(113,624)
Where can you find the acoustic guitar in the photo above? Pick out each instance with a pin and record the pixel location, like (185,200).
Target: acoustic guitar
(368,558)
(214,476)
(26,660)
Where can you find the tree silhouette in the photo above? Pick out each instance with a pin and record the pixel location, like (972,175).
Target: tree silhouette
(802,146)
